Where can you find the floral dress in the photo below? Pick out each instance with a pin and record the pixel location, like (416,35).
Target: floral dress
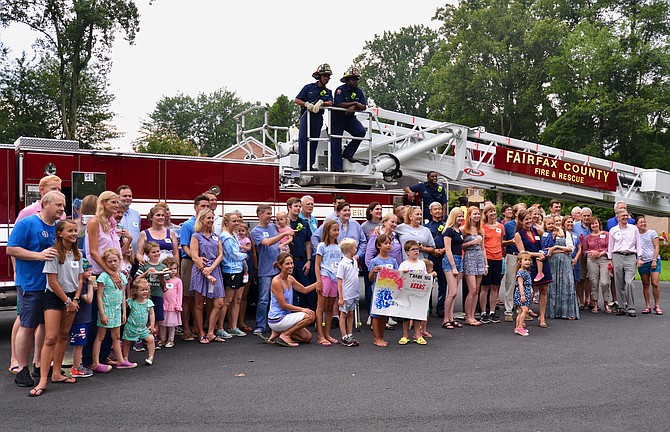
(562,297)
(473,258)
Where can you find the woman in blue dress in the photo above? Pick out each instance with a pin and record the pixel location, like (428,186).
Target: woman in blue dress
(561,294)
(528,239)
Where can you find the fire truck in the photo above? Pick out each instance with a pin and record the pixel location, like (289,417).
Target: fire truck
(395,145)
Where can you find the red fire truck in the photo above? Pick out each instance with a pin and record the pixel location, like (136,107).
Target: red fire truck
(240,185)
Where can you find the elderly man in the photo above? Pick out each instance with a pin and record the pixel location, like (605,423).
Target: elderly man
(614,221)
(30,244)
(625,251)
(436,227)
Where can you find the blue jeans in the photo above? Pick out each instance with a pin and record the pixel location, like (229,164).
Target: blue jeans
(264,283)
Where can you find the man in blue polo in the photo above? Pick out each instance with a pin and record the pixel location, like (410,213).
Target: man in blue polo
(350,97)
(311,99)
(201,202)
(30,243)
(266,238)
(429,191)
(131,219)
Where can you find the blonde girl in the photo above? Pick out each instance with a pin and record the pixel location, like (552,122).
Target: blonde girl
(141,323)
(328,257)
(111,313)
(475,264)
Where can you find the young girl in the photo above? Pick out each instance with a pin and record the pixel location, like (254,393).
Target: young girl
(154,271)
(523,291)
(171,304)
(281,220)
(328,257)
(245,246)
(136,328)
(61,302)
(111,313)
(382,260)
(79,332)
(415,265)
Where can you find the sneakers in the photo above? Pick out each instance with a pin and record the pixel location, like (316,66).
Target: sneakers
(484,319)
(36,372)
(81,372)
(138,346)
(223,334)
(521,331)
(539,277)
(509,318)
(392,322)
(349,341)
(179,330)
(23,378)
(169,344)
(494,318)
(369,322)
(126,365)
(158,345)
(149,361)
(258,331)
(102,368)
(237,332)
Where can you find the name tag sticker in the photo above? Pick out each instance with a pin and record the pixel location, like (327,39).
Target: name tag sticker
(74,264)
(266,234)
(136,225)
(168,240)
(169,285)
(498,230)
(537,237)
(602,236)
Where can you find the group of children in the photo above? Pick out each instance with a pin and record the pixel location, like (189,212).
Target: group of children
(337,277)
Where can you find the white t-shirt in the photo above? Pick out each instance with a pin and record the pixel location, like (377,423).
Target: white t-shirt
(348,272)
(417,267)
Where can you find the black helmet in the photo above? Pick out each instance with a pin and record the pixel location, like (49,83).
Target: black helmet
(323,69)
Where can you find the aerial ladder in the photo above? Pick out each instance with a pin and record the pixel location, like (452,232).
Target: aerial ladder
(399,145)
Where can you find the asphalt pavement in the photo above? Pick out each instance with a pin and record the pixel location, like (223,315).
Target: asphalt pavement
(601,372)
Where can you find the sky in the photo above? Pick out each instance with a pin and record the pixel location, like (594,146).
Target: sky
(257,49)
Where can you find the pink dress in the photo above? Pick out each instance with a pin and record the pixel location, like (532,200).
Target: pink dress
(285,241)
(172,302)
(105,240)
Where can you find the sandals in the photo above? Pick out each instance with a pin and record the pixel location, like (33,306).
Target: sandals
(456,324)
(389,327)
(216,339)
(13,369)
(474,323)
(421,341)
(66,380)
(447,325)
(203,340)
(543,325)
(646,311)
(246,329)
(595,310)
(403,341)
(37,391)
(657,310)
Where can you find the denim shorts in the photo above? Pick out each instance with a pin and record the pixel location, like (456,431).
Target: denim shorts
(32,308)
(458,260)
(646,269)
(349,306)
(53,302)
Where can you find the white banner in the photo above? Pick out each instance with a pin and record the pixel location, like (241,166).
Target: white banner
(400,294)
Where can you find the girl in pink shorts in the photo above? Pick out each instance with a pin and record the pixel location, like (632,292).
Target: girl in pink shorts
(328,257)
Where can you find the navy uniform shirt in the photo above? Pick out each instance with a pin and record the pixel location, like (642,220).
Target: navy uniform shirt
(313,93)
(429,195)
(344,93)
(437,230)
(303,235)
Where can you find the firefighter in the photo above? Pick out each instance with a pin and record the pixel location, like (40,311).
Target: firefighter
(311,99)
(350,97)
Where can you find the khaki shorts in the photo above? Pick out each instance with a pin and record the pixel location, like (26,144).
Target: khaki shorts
(186,267)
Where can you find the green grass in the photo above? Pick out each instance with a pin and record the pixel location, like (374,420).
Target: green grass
(665,272)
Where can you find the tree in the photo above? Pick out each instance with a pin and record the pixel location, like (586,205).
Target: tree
(492,68)
(207,120)
(29,101)
(611,88)
(283,112)
(165,143)
(76,33)
(391,67)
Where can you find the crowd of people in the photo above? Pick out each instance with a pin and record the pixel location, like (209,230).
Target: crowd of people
(104,285)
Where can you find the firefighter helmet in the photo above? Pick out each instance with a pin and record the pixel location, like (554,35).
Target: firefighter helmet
(323,69)
(351,73)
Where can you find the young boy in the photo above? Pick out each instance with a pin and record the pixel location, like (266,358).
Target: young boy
(383,246)
(348,290)
(414,265)
(82,322)
(154,272)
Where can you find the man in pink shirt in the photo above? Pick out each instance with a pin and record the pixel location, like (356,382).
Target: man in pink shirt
(47,184)
(625,251)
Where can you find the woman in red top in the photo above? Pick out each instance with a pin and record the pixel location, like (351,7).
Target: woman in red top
(493,236)
(594,247)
